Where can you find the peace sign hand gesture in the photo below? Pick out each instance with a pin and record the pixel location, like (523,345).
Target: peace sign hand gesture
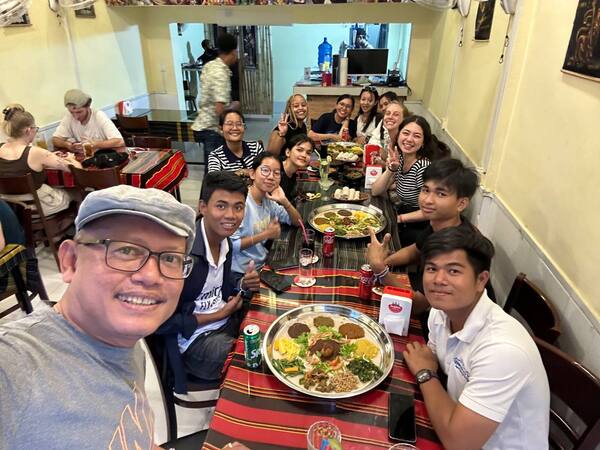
(282,125)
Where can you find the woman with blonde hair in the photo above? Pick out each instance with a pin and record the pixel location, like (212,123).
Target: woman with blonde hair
(292,123)
(18,156)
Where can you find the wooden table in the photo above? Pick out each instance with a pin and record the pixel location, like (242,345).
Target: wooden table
(160,169)
(255,408)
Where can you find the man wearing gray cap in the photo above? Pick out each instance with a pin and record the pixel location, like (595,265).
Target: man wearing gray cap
(73,376)
(85,125)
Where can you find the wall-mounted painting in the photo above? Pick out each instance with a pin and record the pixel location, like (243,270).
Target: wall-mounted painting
(583,53)
(22,21)
(86,13)
(249,46)
(484,19)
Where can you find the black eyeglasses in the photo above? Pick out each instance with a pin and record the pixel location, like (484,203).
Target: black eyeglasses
(129,257)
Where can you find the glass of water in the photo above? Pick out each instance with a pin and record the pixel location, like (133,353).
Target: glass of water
(305,276)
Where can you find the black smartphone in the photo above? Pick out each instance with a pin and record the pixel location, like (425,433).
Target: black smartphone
(401,418)
(276,282)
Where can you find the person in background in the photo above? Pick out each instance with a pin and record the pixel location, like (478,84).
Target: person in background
(292,123)
(84,125)
(209,54)
(235,154)
(19,157)
(385,99)
(332,125)
(367,117)
(405,165)
(497,394)
(361,39)
(125,270)
(206,323)
(266,207)
(385,133)
(216,94)
(297,157)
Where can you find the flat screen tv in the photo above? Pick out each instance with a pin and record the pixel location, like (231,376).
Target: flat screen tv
(367,61)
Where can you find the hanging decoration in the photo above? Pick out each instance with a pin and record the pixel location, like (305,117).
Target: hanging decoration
(583,53)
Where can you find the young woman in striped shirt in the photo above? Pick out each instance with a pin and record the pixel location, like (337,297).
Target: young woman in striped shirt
(235,155)
(405,165)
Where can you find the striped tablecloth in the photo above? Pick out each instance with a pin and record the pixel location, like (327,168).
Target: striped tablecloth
(160,169)
(255,408)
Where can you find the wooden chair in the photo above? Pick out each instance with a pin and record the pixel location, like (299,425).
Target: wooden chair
(131,126)
(533,306)
(88,180)
(151,142)
(574,411)
(209,391)
(38,227)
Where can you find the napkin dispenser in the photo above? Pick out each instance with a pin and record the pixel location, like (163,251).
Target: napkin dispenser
(124,108)
(394,310)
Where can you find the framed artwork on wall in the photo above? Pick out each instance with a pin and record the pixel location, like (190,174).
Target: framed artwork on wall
(249,46)
(86,13)
(583,53)
(484,19)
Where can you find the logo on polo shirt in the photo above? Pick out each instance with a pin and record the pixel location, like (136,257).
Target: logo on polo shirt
(460,366)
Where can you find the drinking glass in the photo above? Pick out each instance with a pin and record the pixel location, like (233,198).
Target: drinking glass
(321,430)
(305,277)
(308,241)
(403,447)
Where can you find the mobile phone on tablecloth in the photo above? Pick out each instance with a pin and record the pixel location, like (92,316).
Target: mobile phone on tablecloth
(401,418)
(275,281)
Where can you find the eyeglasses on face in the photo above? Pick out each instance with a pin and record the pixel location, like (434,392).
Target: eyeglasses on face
(266,171)
(128,257)
(346,105)
(234,124)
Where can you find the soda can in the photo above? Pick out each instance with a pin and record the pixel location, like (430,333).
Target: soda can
(345,135)
(367,279)
(252,346)
(328,242)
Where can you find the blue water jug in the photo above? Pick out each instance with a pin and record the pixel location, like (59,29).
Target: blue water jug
(325,52)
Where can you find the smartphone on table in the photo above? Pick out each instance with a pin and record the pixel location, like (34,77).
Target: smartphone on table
(401,418)
(275,281)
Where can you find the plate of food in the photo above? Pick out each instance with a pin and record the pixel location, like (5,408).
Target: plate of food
(335,148)
(328,351)
(348,220)
(353,175)
(348,194)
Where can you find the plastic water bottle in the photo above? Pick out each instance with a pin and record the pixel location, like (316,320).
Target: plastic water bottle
(325,52)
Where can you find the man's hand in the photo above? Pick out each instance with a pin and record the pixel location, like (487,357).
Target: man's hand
(378,251)
(235,446)
(277,195)
(419,357)
(273,229)
(251,280)
(233,304)
(282,125)
(76,147)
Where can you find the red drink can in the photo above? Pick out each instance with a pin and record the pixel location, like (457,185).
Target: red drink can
(328,242)
(367,279)
(346,135)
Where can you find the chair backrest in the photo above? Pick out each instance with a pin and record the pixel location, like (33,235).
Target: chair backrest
(574,411)
(152,141)
(533,306)
(133,124)
(96,178)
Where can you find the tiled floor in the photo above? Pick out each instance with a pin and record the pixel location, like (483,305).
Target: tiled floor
(190,192)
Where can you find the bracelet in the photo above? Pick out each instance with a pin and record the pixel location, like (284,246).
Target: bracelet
(251,240)
(391,170)
(381,275)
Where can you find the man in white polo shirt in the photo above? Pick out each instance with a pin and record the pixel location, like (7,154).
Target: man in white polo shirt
(497,392)
(85,125)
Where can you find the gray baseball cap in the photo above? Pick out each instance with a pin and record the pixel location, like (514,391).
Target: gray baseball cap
(76,97)
(152,204)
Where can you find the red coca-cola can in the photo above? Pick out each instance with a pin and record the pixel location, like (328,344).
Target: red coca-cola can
(328,242)
(367,279)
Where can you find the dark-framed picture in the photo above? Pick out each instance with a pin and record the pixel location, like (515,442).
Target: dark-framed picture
(249,46)
(86,13)
(22,21)
(484,19)
(583,53)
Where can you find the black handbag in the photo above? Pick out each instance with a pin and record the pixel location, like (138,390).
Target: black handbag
(105,159)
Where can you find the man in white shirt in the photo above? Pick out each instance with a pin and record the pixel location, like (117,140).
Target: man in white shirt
(216,94)
(85,125)
(497,392)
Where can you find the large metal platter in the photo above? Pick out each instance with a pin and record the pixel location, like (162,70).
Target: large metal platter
(374,330)
(349,206)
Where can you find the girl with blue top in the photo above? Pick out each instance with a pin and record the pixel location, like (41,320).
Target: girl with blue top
(266,207)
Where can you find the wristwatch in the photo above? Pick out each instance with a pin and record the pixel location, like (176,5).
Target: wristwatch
(424,375)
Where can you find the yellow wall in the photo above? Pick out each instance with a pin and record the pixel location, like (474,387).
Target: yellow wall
(157,46)
(546,167)
(38,65)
